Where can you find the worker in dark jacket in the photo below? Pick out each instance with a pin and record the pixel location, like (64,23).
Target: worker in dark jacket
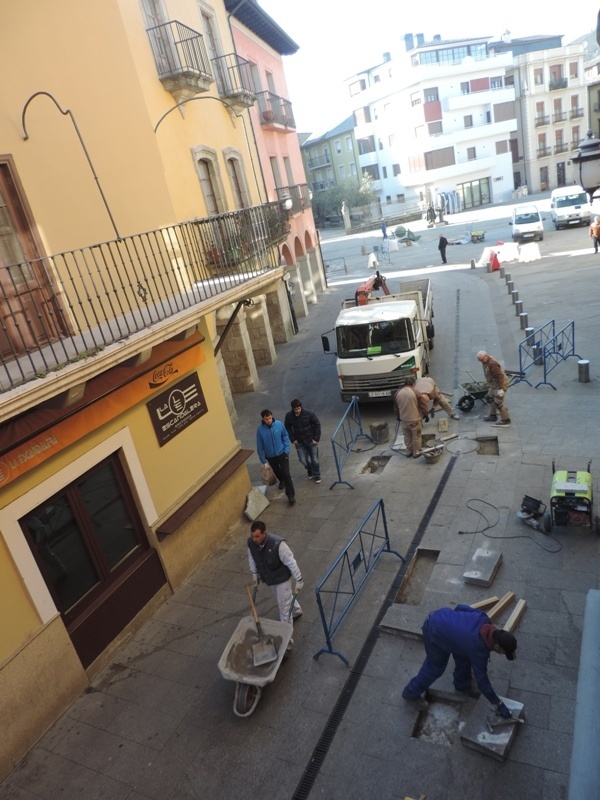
(272,562)
(442,245)
(468,635)
(304,430)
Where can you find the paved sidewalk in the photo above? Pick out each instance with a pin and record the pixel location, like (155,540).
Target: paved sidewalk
(158,722)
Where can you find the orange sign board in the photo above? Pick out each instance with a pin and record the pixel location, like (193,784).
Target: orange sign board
(23,458)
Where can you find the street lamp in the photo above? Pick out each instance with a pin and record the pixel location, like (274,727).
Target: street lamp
(287,203)
(588,162)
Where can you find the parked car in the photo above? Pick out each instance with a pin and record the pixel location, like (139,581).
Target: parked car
(527,224)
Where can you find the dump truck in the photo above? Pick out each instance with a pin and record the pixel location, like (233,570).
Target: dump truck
(380,340)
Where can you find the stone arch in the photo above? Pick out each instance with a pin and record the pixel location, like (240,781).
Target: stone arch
(308,240)
(298,249)
(286,255)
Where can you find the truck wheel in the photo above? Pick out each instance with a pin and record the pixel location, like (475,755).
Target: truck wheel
(466,403)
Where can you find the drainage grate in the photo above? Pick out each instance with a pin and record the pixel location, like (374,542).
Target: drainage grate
(487,446)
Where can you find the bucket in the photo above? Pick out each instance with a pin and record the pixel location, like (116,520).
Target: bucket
(434,456)
(380,432)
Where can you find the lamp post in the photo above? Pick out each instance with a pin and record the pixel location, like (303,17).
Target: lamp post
(587,161)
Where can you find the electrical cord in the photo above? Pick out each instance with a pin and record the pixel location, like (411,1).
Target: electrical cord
(493,524)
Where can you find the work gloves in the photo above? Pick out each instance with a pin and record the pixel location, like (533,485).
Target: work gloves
(299,585)
(502,709)
(255,579)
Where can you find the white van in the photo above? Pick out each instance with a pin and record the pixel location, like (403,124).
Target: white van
(570,205)
(527,224)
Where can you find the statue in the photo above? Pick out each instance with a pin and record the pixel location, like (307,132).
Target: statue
(346,216)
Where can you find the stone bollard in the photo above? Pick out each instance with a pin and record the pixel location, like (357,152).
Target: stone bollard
(584,371)
(538,355)
(530,336)
(510,286)
(502,271)
(515,296)
(472,263)
(489,266)
(518,307)
(507,276)
(524,320)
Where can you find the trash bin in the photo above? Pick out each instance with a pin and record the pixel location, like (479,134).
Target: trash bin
(380,432)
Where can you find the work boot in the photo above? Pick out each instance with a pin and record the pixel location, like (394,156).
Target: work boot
(418,703)
(408,455)
(281,485)
(454,416)
(318,479)
(503,423)
(490,418)
(472,691)
(417,454)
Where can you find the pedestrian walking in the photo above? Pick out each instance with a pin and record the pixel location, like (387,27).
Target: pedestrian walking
(467,635)
(384,229)
(429,390)
(442,245)
(271,561)
(410,413)
(273,447)
(595,233)
(497,386)
(304,429)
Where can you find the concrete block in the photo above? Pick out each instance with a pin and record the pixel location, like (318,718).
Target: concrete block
(256,502)
(497,743)
(483,566)
(404,620)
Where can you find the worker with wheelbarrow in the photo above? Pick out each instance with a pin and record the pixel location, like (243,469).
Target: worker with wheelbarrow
(497,385)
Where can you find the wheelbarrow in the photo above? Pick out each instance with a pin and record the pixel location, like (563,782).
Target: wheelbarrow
(237,662)
(475,390)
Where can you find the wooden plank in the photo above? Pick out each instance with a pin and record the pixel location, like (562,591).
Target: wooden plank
(501,604)
(516,615)
(489,601)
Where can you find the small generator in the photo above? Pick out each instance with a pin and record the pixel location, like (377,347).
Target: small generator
(571,500)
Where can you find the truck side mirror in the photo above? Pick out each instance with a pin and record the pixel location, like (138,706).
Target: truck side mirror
(325,343)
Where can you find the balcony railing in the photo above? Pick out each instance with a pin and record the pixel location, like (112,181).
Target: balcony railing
(320,186)
(275,112)
(542,119)
(559,116)
(576,112)
(557,83)
(234,80)
(563,147)
(59,309)
(180,57)
(544,151)
(299,194)
(319,161)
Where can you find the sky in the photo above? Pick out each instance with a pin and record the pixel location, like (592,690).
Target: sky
(338,39)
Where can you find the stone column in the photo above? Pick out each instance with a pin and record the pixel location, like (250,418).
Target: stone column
(316,268)
(297,291)
(280,315)
(308,286)
(237,351)
(259,328)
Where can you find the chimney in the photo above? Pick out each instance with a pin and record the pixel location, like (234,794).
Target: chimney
(387,57)
(409,41)
(437,38)
(420,40)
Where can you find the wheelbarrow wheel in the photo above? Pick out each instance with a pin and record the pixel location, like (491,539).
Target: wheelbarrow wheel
(246,699)
(547,521)
(466,403)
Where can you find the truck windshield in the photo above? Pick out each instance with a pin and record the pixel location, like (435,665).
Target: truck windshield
(375,339)
(571,200)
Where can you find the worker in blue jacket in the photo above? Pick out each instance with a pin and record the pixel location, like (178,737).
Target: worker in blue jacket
(273,447)
(468,635)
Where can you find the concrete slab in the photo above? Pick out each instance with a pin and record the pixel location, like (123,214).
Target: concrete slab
(483,566)
(497,742)
(404,620)
(256,502)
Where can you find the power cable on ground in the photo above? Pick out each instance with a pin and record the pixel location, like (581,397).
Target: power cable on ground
(491,525)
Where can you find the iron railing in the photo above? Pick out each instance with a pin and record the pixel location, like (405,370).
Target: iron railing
(542,119)
(233,77)
(559,116)
(299,194)
(59,309)
(542,152)
(576,112)
(319,161)
(179,50)
(557,83)
(274,109)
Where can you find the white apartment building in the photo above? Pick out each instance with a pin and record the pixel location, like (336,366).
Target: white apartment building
(552,114)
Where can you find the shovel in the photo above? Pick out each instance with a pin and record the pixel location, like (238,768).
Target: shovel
(263,652)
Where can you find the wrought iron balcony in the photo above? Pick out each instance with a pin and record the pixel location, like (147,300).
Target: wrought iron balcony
(557,83)
(299,194)
(563,147)
(576,112)
(275,112)
(542,119)
(544,151)
(320,186)
(62,308)
(181,60)
(559,116)
(234,80)
(319,161)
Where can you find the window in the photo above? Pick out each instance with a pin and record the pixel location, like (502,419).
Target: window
(400,198)
(443,157)
(465,88)
(348,141)
(366,145)
(388,199)
(573,69)
(372,171)
(275,171)
(357,87)
(576,136)
(208,182)
(471,154)
(353,169)
(342,172)
(376,78)
(502,147)
(504,111)
(415,99)
(362,115)
(384,172)
(488,117)
(574,101)
(236,180)
(396,169)
(468,119)
(434,128)
(539,109)
(380,144)
(431,95)
(496,83)
(289,174)
(538,76)
(475,193)
(338,146)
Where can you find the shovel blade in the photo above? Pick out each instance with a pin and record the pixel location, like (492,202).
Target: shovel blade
(263,652)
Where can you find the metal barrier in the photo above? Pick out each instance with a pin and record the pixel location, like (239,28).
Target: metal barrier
(336,265)
(338,589)
(344,437)
(546,347)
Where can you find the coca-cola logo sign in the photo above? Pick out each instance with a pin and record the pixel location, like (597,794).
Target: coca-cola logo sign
(162,374)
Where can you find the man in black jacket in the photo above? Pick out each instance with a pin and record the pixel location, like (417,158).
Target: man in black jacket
(272,562)
(304,430)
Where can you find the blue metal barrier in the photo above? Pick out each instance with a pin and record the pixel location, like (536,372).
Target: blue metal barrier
(344,438)
(548,348)
(336,265)
(342,582)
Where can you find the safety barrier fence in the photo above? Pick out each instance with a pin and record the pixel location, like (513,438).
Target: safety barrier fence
(344,438)
(336,266)
(338,589)
(548,348)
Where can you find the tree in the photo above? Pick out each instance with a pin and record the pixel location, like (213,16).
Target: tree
(351,191)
